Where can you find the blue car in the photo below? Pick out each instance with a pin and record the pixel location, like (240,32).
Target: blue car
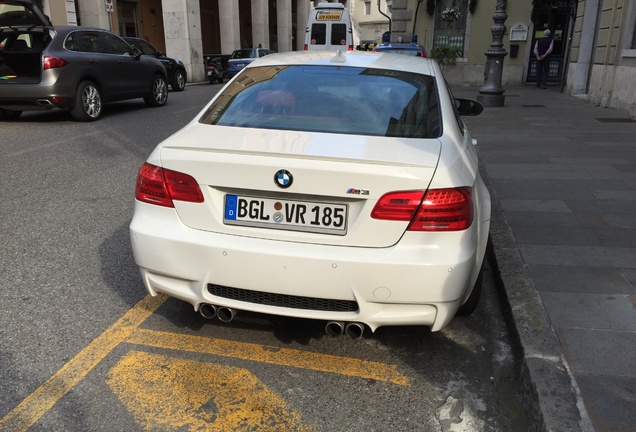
(402,48)
(242,57)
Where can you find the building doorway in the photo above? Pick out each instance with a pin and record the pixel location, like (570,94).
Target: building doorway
(127,18)
(557,20)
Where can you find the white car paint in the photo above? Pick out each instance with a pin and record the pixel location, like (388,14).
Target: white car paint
(395,276)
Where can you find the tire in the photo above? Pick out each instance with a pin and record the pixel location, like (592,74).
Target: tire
(88,103)
(159,95)
(9,115)
(220,79)
(178,80)
(472,301)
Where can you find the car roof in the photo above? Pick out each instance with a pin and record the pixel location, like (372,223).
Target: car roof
(364,59)
(401,45)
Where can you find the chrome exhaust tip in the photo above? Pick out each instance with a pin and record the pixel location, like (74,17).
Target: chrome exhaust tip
(44,102)
(207,310)
(354,330)
(226,314)
(334,328)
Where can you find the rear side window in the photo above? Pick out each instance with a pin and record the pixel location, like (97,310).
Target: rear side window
(338,34)
(71,43)
(91,42)
(330,99)
(318,34)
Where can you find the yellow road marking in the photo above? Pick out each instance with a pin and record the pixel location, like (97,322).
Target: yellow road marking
(274,355)
(41,400)
(165,393)
(34,406)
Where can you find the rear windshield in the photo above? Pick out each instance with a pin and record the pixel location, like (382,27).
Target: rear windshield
(243,53)
(332,99)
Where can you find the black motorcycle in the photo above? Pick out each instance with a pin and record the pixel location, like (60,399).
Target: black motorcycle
(214,71)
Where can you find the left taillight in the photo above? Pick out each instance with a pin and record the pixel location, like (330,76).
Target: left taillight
(159,186)
(438,210)
(51,62)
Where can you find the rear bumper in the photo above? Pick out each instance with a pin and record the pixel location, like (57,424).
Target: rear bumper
(36,96)
(410,283)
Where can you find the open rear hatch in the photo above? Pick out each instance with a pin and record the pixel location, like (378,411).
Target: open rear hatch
(299,186)
(24,33)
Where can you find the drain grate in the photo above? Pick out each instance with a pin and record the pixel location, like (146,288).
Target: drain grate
(615,120)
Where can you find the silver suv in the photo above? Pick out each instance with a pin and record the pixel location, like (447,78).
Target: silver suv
(72,68)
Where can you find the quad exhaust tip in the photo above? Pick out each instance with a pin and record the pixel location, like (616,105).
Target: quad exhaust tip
(207,311)
(336,328)
(225,314)
(210,311)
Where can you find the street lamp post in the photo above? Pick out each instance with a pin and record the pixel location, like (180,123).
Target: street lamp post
(492,94)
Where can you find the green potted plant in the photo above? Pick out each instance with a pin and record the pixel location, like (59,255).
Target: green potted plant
(445,54)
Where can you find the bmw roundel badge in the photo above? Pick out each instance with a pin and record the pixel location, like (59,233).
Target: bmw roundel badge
(283,179)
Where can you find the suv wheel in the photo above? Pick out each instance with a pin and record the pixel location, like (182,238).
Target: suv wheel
(159,92)
(88,103)
(178,81)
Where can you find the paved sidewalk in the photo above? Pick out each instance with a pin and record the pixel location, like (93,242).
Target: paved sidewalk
(562,174)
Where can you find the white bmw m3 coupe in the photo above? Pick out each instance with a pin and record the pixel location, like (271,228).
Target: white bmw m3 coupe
(334,186)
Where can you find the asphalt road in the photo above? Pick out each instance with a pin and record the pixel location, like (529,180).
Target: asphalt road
(83,349)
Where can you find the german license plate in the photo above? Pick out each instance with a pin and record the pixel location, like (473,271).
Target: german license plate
(328,218)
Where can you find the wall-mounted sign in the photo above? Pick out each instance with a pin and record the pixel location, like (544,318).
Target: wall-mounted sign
(518,33)
(109,5)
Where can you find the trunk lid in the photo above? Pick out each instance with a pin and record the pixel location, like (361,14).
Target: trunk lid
(334,178)
(22,14)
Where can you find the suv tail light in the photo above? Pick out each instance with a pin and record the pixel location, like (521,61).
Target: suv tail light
(439,210)
(159,186)
(51,62)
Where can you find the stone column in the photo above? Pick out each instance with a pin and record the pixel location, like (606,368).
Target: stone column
(583,66)
(182,31)
(93,14)
(229,25)
(284,27)
(302,16)
(401,15)
(260,23)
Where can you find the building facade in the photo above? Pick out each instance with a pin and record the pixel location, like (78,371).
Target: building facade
(594,40)
(190,29)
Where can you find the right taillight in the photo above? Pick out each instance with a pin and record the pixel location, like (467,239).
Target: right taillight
(437,210)
(444,210)
(159,186)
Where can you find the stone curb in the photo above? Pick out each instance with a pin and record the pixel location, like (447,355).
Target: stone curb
(547,388)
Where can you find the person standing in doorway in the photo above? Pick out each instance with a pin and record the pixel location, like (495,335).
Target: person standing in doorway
(542,50)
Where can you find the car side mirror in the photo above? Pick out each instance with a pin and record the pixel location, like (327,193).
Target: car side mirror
(468,107)
(137,53)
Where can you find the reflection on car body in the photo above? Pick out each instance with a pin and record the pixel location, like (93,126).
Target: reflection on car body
(343,188)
